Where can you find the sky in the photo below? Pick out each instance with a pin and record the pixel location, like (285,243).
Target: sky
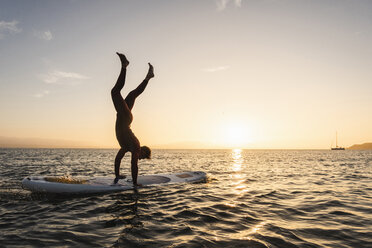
(252,74)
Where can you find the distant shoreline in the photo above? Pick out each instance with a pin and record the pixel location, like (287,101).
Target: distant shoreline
(364,146)
(39,143)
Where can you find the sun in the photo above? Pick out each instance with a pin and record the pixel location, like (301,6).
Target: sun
(237,135)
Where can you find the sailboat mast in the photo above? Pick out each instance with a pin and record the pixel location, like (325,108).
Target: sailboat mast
(337,147)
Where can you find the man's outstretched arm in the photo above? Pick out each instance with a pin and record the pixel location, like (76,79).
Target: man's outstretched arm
(134,167)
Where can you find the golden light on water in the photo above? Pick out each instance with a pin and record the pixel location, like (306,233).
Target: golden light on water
(248,233)
(256,228)
(238,177)
(237,160)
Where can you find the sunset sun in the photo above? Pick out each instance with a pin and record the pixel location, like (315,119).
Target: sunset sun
(237,135)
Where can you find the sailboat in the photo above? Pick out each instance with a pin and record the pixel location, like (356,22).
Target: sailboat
(337,148)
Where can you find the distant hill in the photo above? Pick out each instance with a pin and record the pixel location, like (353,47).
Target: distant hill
(365,146)
(12,142)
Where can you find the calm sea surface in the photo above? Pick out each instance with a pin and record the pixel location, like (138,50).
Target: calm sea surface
(252,198)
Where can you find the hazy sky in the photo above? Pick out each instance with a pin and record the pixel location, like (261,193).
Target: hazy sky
(249,74)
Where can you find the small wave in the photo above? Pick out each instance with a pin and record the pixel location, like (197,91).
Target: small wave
(337,212)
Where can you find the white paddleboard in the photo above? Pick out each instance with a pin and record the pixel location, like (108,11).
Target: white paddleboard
(67,185)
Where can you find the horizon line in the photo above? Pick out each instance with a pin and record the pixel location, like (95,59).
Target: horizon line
(161,148)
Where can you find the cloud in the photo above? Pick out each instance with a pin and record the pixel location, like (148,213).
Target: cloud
(221,4)
(44,35)
(9,27)
(218,68)
(60,77)
(238,3)
(41,94)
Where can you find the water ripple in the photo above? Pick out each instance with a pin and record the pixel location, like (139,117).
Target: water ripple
(251,199)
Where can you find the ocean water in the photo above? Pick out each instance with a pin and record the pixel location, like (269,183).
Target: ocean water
(252,198)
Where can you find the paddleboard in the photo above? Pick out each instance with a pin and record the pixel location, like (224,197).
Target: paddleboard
(68,185)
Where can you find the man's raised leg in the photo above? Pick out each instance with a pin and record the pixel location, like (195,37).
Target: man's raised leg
(115,92)
(140,88)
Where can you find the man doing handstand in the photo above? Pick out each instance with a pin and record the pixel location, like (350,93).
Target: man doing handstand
(127,140)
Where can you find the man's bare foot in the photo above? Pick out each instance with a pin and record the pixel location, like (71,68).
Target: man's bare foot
(123,59)
(117,179)
(137,185)
(150,73)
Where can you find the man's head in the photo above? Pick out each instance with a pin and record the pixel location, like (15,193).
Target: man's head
(145,152)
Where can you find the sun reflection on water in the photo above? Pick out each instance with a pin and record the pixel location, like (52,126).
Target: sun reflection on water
(237,160)
(239,188)
(238,178)
(248,234)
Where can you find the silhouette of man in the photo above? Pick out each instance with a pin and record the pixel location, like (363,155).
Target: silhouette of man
(127,140)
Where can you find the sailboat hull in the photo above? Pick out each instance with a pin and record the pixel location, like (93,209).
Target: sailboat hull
(338,148)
